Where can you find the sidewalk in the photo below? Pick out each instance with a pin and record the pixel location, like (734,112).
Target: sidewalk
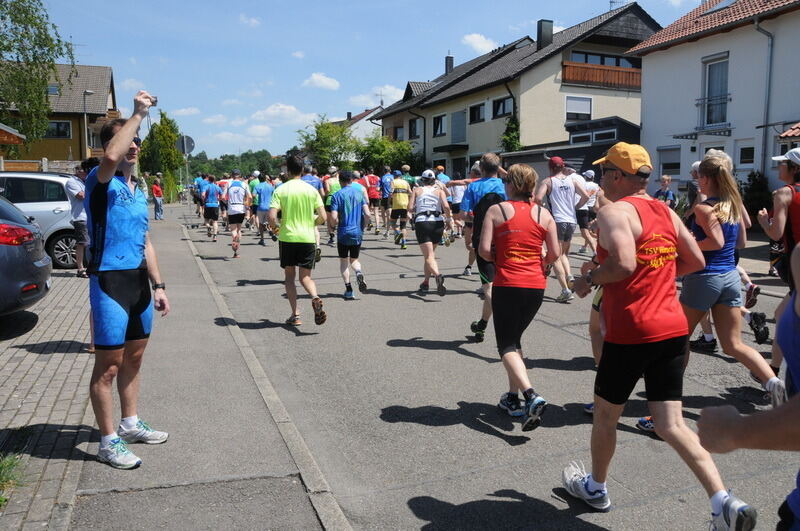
(225,464)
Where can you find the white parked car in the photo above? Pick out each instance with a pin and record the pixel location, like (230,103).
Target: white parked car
(43,197)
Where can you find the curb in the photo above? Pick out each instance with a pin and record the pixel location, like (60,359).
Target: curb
(328,511)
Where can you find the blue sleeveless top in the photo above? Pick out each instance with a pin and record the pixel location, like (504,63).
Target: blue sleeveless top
(722,260)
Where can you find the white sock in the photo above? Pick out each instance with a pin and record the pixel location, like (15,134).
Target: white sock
(708,337)
(594,486)
(130,422)
(771,383)
(718,501)
(749,285)
(105,440)
(747,317)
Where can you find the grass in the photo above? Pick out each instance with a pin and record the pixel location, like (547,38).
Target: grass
(9,474)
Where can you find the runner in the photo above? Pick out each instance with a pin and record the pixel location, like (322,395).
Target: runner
(373,185)
(348,212)
(122,261)
(400,196)
(457,194)
(252,214)
(561,189)
(197,194)
(480,195)
(297,204)
(429,210)
(441,180)
(586,213)
(332,185)
(412,182)
(386,196)
(512,237)
(474,175)
(310,177)
(643,247)
(238,205)
(223,202)
(264,191)
(211,194)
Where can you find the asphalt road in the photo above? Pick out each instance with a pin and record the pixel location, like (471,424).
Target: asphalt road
(398,405)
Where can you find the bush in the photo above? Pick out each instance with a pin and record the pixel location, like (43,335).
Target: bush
(756,194)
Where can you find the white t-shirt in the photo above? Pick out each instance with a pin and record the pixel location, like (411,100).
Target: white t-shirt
(591,189)
(457,193)
(74,187)
(562,199)
(236,196)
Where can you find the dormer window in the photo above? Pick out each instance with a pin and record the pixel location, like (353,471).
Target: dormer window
(53,90)
(722,5)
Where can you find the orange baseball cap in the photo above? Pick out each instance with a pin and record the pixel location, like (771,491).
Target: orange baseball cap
(440,168)
(627,157)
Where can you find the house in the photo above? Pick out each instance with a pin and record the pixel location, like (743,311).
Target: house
(722,76)
(360,125)
(77,112)
(573,89)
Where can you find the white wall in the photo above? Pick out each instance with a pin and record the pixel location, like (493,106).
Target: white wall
(364,128)
(672,80)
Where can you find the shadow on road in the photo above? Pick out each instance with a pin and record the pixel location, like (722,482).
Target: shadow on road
(259,282)
(17,324)
(261,325)
(511,510)
(56,347)
(432,344)
(48,441)
(578,363)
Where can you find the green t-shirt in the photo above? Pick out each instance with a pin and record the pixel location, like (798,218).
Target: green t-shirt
(298,201)
(334,186)
(253,185)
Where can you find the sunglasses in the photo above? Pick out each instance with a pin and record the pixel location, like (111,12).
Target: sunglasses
(137,141)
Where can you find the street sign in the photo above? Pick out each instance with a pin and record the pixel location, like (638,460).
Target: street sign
(185,144)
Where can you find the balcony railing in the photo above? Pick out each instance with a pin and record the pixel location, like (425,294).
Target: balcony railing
(713,112)
(612,77)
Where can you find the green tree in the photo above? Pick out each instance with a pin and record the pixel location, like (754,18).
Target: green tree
(159,153)
(328,144)
(510,139)
(30,45)
(378,150)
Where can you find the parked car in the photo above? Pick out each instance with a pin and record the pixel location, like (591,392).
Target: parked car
(43,196)
(24,266)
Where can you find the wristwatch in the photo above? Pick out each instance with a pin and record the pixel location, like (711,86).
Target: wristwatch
(160,285)
(588,278)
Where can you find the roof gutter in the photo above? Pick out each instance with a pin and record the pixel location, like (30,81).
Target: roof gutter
(424,133)
(767,91)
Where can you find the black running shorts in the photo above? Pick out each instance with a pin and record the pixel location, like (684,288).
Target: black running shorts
(660,363)
(429,231)
(583,218)
(455,208)
(513,309)
(235,219)
(374,202)
(399,213)
(211,213)
(485,270)
(352,251)
(297,254)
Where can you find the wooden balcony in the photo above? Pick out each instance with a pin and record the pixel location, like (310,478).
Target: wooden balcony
(610,77)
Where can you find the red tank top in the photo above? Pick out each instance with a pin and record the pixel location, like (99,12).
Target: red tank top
(518,250)
(644,307)
(791,234)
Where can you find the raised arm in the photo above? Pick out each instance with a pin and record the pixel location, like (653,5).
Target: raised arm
(120,144)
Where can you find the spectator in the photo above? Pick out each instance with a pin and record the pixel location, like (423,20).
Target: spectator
(158,198)
(76,190)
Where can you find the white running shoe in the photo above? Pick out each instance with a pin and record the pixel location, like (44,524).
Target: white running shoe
(575,480)
(566,296)
(142,433)
(736,515)
(778,394)
(117,455)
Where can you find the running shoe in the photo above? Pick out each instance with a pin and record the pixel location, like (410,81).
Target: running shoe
(214,239)
(468,271)
(330,240)
(142,433)
(441,240)
(319,314)
(510,403)
(118,455)
(208,232)
(235,254)
(582,250)
(575,480)
(397,238)
(261,242)
(273,236)
(377,232)
(702,345)
(348,295)
(362,284)
(589,408)
(294,320)
(317,255)
(570,282)
(440,289)
(534,409)
(423,288)
(646,424)
(403,245)
(778,395)
(736,515)
(751,298)
(386,235)
(479,330)
(758,324)
(566,296)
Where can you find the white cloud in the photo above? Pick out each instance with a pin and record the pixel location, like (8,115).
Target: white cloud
(479,43)
(259,131)
(251,93)
(131,84)
(320,80)
(231,101)
(252,22)
(390,94)
(186,111)
(299,54)
(216,119)
(283,114)
(225,137)
(238,121)
(132,60)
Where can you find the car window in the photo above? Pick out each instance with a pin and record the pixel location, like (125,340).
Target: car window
(22,190)
(11,213)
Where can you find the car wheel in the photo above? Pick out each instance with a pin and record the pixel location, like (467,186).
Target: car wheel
(61,249)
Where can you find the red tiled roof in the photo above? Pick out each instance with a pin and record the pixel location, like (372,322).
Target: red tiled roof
(695,24)
(359,116)
(792,132)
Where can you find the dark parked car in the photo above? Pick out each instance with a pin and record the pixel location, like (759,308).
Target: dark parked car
(24,265)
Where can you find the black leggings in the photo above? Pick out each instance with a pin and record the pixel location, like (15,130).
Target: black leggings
(513,309)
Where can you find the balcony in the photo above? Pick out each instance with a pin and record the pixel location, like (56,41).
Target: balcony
(712,114)
(601,76)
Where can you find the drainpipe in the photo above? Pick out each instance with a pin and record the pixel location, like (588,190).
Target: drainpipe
(767,93)
(424,134)
(514,113)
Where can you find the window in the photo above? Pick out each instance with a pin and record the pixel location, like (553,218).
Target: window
(785,146)
(747,155)
(605,59)
(33,190)
(580,138)
(706,149)
(53,90)
(477,113)
(439,125)
(608,134)
(716,93)
(413,131)
(579,108)
(399,133)
(502,107)
(59,130)
(669,159)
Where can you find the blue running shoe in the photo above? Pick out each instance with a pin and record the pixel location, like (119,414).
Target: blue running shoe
(348,295)
(646,424)
(510,403)
(534,409)
(589,408)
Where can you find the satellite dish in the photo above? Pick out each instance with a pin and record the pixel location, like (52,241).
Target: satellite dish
(185,144)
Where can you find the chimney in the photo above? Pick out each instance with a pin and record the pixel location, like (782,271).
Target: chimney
(448,63)
(349,115)
(544,34)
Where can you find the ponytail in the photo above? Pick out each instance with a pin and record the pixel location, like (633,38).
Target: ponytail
(717,167)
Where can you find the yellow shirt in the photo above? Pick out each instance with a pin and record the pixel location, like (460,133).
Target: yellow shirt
(401,192)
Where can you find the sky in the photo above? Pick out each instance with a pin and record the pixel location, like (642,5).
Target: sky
(247,74)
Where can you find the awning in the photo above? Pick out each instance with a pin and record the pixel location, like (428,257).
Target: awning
(10,136)
(450,147)
(703,131)
(792,132)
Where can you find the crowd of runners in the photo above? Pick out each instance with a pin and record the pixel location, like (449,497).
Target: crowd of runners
(516,227)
